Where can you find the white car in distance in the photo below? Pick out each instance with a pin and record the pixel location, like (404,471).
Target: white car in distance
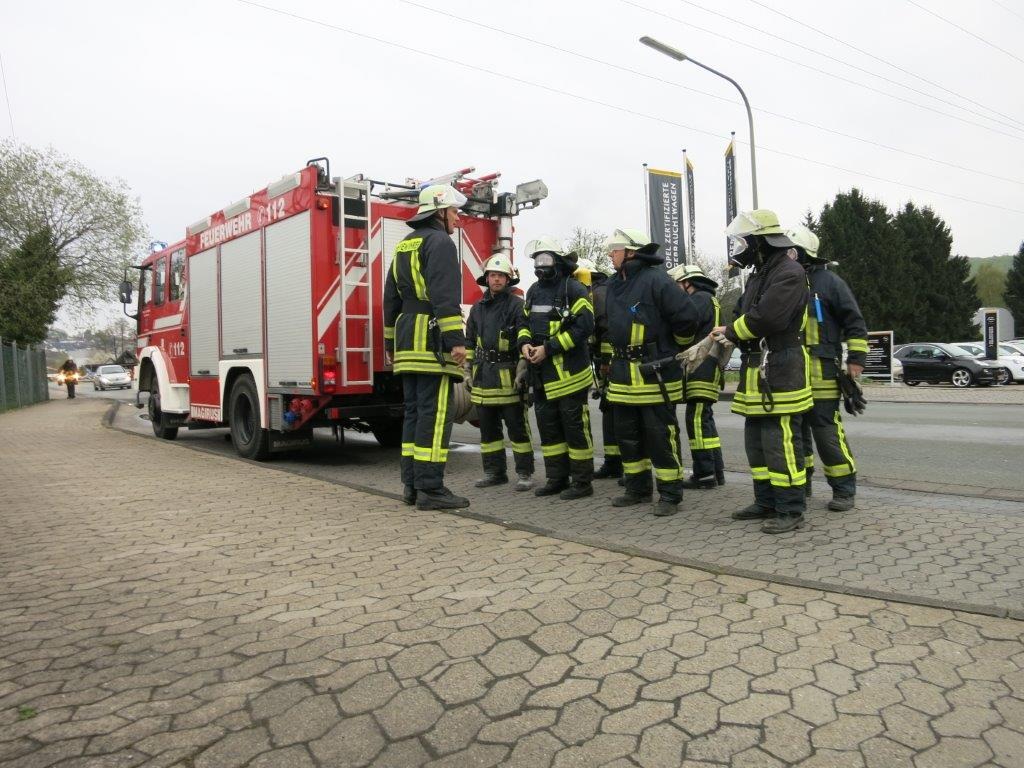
(1010,358)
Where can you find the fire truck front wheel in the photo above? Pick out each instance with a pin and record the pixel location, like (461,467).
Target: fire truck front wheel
(156,416)
(251,441)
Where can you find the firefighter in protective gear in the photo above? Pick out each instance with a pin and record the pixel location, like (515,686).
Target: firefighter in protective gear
(701,387)
(649,320)
(492,330)
(423,337)
(601,355)
(833,317)
(559,320)
(774,389)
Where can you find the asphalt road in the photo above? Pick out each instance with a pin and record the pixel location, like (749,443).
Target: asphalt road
(973,449)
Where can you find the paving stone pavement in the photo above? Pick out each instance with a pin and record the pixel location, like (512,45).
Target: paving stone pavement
(166,607)
(937,549)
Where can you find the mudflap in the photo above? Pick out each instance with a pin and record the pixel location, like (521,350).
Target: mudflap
(280,442)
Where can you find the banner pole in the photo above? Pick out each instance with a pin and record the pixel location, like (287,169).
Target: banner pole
(647,201)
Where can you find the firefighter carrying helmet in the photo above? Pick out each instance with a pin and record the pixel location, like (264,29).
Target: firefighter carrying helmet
(693,274)
(757,223)
(435,198)
(805,240)
(499,262)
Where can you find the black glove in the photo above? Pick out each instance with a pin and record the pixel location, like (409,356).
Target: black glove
(853,396)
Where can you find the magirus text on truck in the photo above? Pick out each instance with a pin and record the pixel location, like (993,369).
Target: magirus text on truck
(266,318)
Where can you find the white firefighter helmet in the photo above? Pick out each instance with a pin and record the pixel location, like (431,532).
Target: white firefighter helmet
(631,239)
(544,244)
(436,197)
(499,262)
(804,239)
(691,273)
(759,222)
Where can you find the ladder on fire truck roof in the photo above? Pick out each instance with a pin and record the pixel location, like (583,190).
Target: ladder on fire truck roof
(356,277)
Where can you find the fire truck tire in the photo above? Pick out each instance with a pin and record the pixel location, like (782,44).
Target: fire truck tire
(251,441)
(156,416)
(388,432)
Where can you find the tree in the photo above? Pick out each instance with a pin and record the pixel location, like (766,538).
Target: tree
(728,288)
(95,225)
(116,338)
(944,293)
(1014,293)
(32,283)
(990,284)
(589,244)
(872,257)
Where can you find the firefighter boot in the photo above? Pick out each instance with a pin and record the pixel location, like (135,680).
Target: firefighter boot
(701,483)
(409,495)
(753,512)
(488,480)
(524,483)
(665,508)
(552,486)
(577,490)
(612,467)
(841,503)
(440,498)
(782,524)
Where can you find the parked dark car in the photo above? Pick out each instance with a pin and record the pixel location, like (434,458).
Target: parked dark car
(939,363)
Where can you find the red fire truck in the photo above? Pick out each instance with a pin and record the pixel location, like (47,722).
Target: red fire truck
(267,317)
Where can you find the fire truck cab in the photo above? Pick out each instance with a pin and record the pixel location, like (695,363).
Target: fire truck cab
(267,317)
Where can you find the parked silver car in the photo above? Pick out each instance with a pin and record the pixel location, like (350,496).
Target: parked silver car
(111,377)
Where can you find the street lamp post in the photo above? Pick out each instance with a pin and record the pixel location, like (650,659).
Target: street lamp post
(678,55)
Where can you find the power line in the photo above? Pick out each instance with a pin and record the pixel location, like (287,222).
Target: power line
(863,52)
(966,31)
(1008,10)
(7,97)
(616,107)
(856,83)
(654,78)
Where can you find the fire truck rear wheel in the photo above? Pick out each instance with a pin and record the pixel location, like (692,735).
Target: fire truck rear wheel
(251,441)
(156,416)
(388,432)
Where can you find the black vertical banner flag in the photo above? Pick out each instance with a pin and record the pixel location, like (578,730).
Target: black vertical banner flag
(692,210)
(730,194)
(664,190)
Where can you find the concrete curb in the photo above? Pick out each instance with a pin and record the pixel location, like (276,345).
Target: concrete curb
(701,565)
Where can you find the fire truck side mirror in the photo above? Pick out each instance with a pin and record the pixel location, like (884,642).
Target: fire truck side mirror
(125,292)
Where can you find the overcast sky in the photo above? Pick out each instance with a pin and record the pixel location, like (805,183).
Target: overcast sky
(196,104)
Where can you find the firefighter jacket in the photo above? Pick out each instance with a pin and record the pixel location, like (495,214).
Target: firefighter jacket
(422,293)
(601,348)
(649,319)
(705,382)
(832,318)
(770,320)
(558,314)
(492,329)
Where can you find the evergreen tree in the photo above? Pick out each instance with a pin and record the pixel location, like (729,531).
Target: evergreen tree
(872,257)
(32,283)
(946,297)
(1014,293)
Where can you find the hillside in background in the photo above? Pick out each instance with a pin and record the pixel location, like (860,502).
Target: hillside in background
(1002,263)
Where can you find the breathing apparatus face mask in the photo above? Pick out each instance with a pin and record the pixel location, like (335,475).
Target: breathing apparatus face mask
(743,250)
(544,266)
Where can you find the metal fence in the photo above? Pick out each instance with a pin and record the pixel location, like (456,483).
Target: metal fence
(22,376)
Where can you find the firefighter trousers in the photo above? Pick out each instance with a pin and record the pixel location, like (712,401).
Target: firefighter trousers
(705,444)
(612,454)
(427,429)
(774,447)
(648,436)
(492,443)
(565,440)
(825,423)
